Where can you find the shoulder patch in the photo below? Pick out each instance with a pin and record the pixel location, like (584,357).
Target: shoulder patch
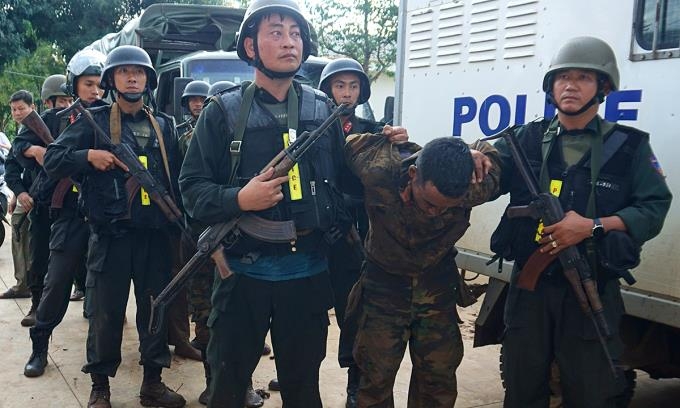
(656,165)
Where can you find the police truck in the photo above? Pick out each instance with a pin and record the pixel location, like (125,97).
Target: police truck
(471,68)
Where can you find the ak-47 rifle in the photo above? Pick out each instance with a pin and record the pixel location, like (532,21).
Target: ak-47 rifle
(210,242)
(35,124)
(157,192)
(575,267)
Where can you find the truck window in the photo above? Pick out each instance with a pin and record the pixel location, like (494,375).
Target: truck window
(213,70)
(657,27)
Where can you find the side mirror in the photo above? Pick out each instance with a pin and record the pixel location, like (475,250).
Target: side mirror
(388,114)
(179,84)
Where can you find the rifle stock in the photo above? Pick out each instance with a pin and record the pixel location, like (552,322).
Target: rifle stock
(34,122)
(576,269)
(210,241)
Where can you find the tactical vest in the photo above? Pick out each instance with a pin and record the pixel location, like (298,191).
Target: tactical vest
(321,206)
(612,189)
(112,197)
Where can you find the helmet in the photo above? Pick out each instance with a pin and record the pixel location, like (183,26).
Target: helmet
(52,87)
(220,86)
(345,65)
(195,88)
(584,53)
(127,55)
(85,62)
(259,7)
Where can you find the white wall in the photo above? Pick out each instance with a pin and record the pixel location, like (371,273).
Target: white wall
(381,89)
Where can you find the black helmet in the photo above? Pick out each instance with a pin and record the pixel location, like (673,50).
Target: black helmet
(345,65)
(220,86)
(53,87)
(127,55)
(252,17)
(195,88)
(85,62)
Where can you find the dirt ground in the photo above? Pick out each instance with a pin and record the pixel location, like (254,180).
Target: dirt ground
(64,386)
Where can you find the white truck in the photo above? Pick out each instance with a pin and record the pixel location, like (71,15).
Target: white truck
(471,68)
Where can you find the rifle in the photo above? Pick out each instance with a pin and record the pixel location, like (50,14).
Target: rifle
(157,192)
(35,124)
(576,269)
(213,240)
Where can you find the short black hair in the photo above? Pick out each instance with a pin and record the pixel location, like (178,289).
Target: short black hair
(447,163)
(22,95)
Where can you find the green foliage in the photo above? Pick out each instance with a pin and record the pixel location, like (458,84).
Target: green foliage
(365,30)
(27,73)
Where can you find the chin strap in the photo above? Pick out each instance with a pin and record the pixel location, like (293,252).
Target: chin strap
(598,98)
(259,65)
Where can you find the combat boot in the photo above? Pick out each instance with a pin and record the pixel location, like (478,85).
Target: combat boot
(29,319)
(353,377)
(157,394)
(253,399)
(100,396)
(35,367)
(205,395)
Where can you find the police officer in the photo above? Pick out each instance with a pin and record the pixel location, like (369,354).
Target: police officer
(23,170)
(344,81)
(52,94)
(192,100)
(627,205)
(69,232)
(129,233)
(274,286)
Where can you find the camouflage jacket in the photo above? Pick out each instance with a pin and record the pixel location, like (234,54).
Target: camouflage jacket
(401,238)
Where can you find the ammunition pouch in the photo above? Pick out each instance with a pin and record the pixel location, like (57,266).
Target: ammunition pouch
(617,254)
(104,199)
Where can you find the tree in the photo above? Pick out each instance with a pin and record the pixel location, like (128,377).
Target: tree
(365,30)
(27,73)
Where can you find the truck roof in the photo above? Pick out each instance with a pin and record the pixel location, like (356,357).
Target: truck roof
(168,31)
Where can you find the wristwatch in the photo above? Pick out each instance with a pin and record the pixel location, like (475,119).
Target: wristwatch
(598,229)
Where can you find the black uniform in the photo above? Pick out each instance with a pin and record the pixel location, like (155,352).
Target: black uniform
(20,173)
(128,237)
(68,250)
(286,292)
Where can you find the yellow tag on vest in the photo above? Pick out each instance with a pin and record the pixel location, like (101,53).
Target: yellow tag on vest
(555,189)
(294,184)
(74,189)
(146,200)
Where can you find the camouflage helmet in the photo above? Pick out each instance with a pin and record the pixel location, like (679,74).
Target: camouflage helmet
(347,65)
(128,55)
(220,86)
(588,53)
(195,88)
(53,87)
(260,7)
(85,62)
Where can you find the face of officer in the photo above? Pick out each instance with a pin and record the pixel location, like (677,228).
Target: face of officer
(279,43)
(573,88)
(129,79)
(195,104)
(346,88)
(20,109)
(427,197)
(87,88)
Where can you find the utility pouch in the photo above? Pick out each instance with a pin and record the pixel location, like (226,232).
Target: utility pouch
(617,253)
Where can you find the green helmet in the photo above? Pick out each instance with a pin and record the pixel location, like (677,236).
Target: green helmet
(52,87)
(584,53)
(220,86)
(257,9)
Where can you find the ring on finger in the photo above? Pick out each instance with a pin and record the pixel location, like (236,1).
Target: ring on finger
(550,237)
(554,244)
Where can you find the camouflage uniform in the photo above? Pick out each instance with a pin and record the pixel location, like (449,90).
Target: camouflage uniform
(409,285)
